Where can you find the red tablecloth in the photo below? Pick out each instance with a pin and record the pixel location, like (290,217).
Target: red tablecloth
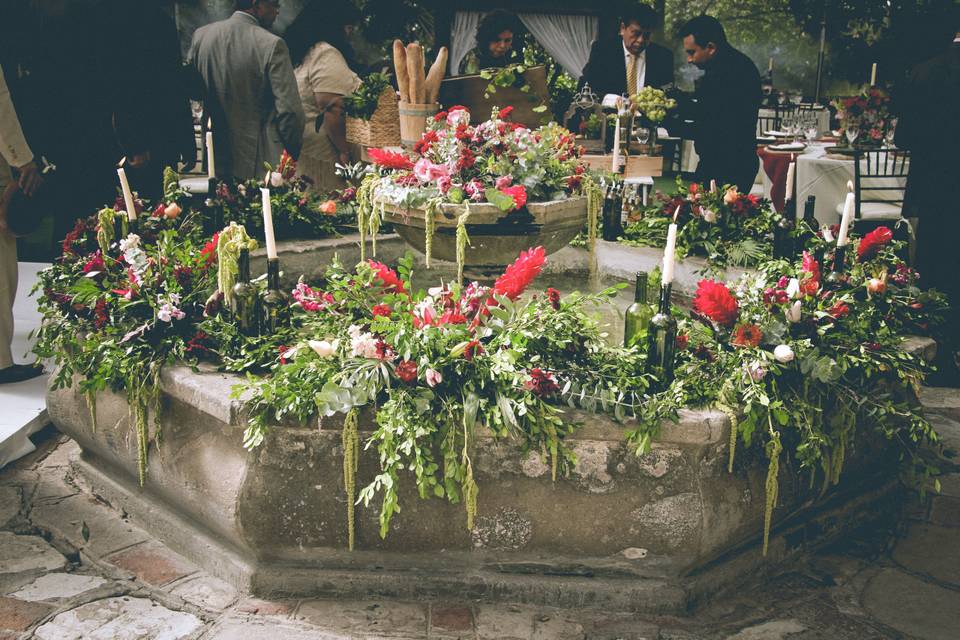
(775,165)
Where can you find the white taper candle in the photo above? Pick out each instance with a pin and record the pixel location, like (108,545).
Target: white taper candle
(128,201)
(845,221)
(669,254)
(790,172)
(211,166)
(268,224)
(873,75)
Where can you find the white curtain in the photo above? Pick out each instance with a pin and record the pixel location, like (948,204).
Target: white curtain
(463,37)
(567,38)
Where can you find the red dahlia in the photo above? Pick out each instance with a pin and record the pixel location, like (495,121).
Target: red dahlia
(715,301)
(747,335)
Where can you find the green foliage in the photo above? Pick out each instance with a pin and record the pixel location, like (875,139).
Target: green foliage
(362,103)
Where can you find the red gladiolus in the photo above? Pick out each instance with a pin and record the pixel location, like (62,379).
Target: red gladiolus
(389,159)
(681,341)
(810,266)
(541,383)
(505,112)
(158,210)
(554,297)
(871,243)
(209,251)
(382,310)
(715,301)
(473,349)
(747,335)
(520,274)
(518,193)
(391,281)
(406,370)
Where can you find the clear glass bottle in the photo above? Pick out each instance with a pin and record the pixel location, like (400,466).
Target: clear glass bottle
(638,315)
(246,303)
(662,341)
(275,304)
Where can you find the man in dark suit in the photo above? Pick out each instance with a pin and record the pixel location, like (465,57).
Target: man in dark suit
(629,61)
(928,127)
(728,99)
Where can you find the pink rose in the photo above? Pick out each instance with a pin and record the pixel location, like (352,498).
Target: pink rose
(444,183)
(426,171)
(433,377)
(503,182)
(731,196)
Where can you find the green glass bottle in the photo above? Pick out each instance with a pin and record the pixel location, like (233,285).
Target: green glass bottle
(662,341)
(637,317)
(246,302)
(275,304)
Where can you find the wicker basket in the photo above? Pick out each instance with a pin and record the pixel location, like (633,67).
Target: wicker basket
(382,129)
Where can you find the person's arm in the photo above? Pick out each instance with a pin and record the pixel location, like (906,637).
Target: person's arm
(334,123)
(13,144)
(286,98)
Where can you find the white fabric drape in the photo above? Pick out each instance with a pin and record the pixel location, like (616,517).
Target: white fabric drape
(463,37)
(567,38)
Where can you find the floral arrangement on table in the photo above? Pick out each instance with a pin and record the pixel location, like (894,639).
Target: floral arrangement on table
(868,113)
(805,370)
(652,104)
(725,226)
(496,161)
(298,211)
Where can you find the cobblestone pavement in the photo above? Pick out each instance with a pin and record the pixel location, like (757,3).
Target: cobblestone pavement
(71,567)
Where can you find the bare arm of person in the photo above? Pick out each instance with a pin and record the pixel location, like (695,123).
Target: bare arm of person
(334,123)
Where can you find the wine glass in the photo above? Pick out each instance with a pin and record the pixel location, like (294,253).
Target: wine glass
(891,132)
(851,132)
(643,135)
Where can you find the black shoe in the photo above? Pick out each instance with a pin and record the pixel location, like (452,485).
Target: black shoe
(20,372)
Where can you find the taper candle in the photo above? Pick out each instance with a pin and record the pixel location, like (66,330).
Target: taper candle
(669,251)
(848,207)
(615,164)
(211,167)
(790,172)
(268,224)
(128,201)
(873,75)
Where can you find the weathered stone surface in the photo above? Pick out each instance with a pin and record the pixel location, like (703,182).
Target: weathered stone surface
(950,485)
(506,529)
(945,511)
(57,586)
(773,630)
(10,504)
(123,618)
(914,552)
(250,627)
(504,623)
(24,554)
(365,618)
(912,606)
(671,521)
(19,615)
(557,626)
(450,619)
(942,400)
(921,346)
(153,563)
(255,606)
(206,592)
(949,432)
(107,531)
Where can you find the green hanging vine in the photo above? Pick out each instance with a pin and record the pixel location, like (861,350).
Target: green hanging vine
(430,211)
(772,485)
(350,439)
(367,220)
(462,241)
(470,489)
(232,239)
(105,219)
(594,205)
(731,414)
(91,397)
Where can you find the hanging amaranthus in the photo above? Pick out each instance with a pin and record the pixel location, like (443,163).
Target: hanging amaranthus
(772,485)
(594,205)
(433,207)
(105,234)
(232,239)
(462,241)
(350,439)
(470,489)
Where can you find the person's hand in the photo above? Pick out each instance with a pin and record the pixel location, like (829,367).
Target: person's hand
(138,160)
(344,158)
(5,199)
(30,178)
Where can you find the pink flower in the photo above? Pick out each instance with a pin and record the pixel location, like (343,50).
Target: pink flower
(444,183)
(433,377)
(458,115)
(427,171)
(503,182)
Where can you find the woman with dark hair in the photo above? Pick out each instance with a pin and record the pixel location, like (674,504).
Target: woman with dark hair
(320,52)
(499,43)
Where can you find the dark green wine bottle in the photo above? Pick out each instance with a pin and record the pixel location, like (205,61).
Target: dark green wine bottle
(783,231)
(662,341)
(637,317)
(246,302)
(275,304)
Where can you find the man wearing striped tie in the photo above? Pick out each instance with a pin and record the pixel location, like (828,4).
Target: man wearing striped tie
(629,61)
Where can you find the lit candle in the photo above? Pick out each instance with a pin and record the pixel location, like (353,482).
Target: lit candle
(713,186)
(127,194)
(669,251)
(790,171)
(268,224)
(211,170)
(615,168)
(873,75)
(848,207)
(770,65)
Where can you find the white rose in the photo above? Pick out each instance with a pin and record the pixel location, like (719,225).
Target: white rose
(323,348)
(783,353)
(793,289)
(275,179)
(793,312)
(709,215)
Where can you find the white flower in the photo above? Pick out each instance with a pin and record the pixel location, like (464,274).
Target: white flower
(168,310)
(242,190)
(433,377)
(793,289)
(827,233)
(435,291)
(364,345)
(755,370)
(276,179)
(164,313)
(783,353)
(323,348)
(353,331)
(709,215)
(793,312)
(132,241)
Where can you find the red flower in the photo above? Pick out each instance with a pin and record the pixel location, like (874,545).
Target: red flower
(423,145)
(100,315)
(452,316)
(282,349)
(182,275)
(389,159)
(406,370)
(473,349)
(440,116)
(384,351)
(520,274)
(382,310)
(158,210)
(391,281)
(518,193)
(747,335)
(839,310)
(541,383)
(810,266)
(198,344)
(505,112)
(873,242)
(209,251)
(682,341)
(554,297)
(715,301)
(95,264)
(73,236)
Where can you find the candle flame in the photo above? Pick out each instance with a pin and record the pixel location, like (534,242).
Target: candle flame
(123,161)
(676,213)
(210,123)
(850,185)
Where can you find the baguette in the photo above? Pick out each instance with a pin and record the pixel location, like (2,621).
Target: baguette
(413,61)
(435,77)
(421,76)
(400,66)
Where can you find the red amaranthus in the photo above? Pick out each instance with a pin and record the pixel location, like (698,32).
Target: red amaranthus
(389,159)
(714,300)
(520,274)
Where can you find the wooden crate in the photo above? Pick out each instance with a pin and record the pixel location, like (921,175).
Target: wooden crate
(468,91)
(637,165)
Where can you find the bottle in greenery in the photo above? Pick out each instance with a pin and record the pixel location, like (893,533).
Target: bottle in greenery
(662,341)
(246,302)
(836,277)
(637,317)
(275,304)
(807,229)
(613,212)
(783,232)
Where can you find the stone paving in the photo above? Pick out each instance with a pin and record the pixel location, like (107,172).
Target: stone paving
(72,568)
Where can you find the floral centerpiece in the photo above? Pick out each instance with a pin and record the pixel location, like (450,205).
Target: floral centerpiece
(725,226)
(506,166)
(868,114)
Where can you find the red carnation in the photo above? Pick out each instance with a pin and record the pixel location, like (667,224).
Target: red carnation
(541,383)
(518,193)
(406,370)
(389,159)
(505,112)
(554,297)
(391,281)
(873,242)
(382,310)
(520,274)
(839,310)
(714,300)
(747,335)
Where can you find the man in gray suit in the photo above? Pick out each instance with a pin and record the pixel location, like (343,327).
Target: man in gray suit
(251,92)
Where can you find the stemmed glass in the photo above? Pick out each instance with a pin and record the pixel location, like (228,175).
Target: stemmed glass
(851,134)
(891,132)
(643,135)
